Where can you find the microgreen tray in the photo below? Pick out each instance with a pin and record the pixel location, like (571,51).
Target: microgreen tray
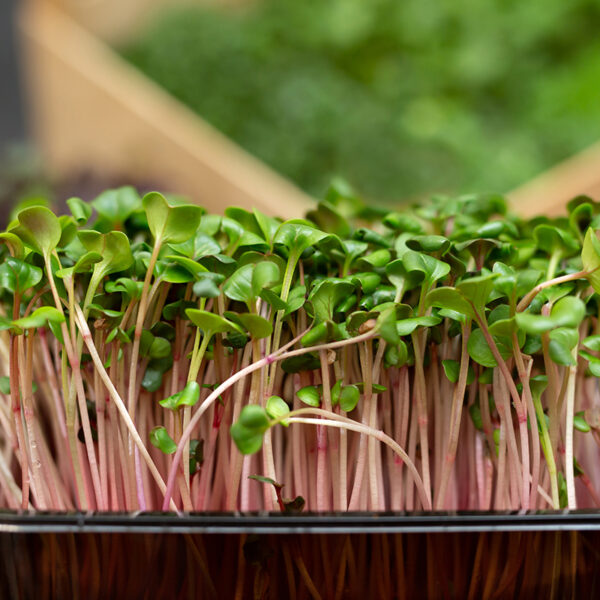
(309,523)
(273,555)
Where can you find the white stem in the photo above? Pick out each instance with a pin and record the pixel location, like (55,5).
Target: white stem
(334,420)
(570,472)
(114,394)
(263,362)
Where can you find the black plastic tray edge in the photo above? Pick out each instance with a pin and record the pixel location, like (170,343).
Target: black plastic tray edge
(308,523)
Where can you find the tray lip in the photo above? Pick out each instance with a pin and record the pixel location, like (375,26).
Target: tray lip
(17,522)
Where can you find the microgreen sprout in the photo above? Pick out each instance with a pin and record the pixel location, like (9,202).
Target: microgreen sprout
(442,357)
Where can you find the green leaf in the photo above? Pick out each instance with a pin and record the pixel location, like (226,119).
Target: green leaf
(569,311)
(80,210)
(118,333)
(152,380)
(14,243)
(304,362)
(431,268)
(157,367)
(552,239)
(533,324)
(317,334)
(403,223)
(562,491)
(85,263)
(191,266)
(477,290)
(475,414)
(189,396)
(590,257)
(277,408)
(349,397)
(386,326)
(562,342)
(268,225)
(378,259)
(39,318)
(335,391)
(271,298)
(112,246)
(254,417)
(554,293)
(326,295)
(258,327)
(209,322)
(5,384)
(594,362)
(329,219)
(248,431)
(56,330)
(310,395)
(451,369)
(481,353)
(245,218)
(506,280)
(98,310)
(265,275)
(268,480)
(396,356)
(162,440)
(407,326)
(159,348)
(116,206)
(131,289)
(169,220)
(346,305)
(18,276)
(235,340)
(207,285)
(197,247)
(504,328)
(297,236)
(296,299)
(449,298)
(39,228)
(429,243)
(68,230)
(371,237)
(368,282)
(592,343)
(580,423)
(375,388)
(580,214)
(239,285)
(173,273)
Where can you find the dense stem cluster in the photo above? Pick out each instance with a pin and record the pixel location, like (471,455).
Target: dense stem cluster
(442,357)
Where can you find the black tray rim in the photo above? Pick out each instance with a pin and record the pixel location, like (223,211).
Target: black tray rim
(27,522)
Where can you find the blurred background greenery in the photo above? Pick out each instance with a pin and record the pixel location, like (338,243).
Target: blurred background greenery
(401,98)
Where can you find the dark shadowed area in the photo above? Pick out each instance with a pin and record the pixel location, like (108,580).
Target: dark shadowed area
(12,127)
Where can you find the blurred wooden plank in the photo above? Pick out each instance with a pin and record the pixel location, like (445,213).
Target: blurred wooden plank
(90,109)
(549,193)
(115,21)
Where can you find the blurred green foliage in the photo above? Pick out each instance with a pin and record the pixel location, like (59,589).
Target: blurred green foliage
(401,98)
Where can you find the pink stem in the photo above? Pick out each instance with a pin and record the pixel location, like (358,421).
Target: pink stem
(260,364)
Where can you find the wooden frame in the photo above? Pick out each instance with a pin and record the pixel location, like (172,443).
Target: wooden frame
(548,193)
